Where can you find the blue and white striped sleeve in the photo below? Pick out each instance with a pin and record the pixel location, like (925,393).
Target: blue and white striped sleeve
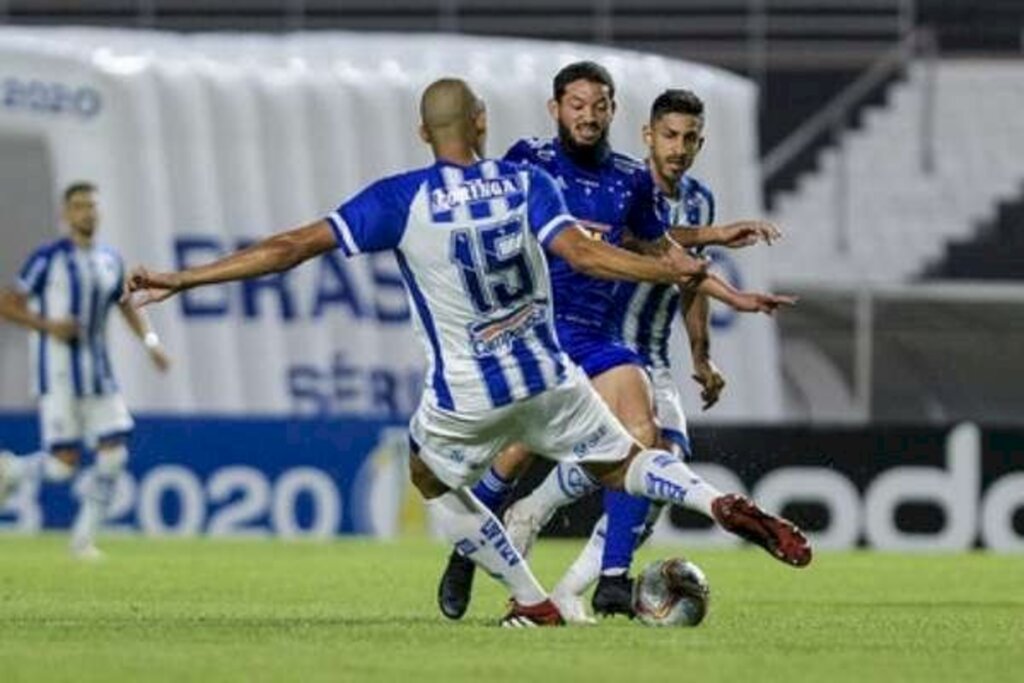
(709,198)
(545,207)
(32,276)
(119,287)
(373,220)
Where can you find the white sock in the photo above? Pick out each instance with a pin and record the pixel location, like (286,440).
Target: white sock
(477,534)
(35,467)
(99,492)
(587,567)
(661,477)
(566,483)
(54,470)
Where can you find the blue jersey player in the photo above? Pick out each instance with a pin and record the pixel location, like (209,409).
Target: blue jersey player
(614,197)
(470,237)
(674,137)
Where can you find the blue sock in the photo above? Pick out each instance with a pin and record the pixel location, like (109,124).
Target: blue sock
(626,517)
(492,490)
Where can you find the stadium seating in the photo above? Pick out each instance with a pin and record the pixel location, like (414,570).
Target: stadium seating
(891,218)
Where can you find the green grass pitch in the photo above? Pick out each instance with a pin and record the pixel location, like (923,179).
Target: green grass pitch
(211,610)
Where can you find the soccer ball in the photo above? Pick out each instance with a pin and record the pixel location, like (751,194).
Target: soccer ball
(671,592)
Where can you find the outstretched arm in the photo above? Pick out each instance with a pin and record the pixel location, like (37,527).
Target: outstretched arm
(733,235)
(710,284)
(742,301)
(274,254)
(602,260)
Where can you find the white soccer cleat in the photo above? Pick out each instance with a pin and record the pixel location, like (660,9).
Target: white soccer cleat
(87,552)
(573,608)
(522,526)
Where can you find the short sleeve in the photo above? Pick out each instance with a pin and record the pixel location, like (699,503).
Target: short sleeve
(32,276)
(643,220)
(545,207)
(709,197)
(520,153)
(373,220)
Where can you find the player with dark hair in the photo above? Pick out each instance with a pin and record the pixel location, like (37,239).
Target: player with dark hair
(613,197)
(674,136)
(64,294)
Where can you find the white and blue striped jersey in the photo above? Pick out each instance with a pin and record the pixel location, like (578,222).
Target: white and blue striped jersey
(649,310)
(64,281)
(469,244)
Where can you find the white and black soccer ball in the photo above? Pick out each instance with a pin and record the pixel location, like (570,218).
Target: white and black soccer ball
(672,592)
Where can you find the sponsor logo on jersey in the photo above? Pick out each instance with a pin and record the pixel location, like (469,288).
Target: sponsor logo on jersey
(473,191)
(494,336)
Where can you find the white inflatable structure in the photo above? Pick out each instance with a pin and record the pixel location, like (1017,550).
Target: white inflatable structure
(199,143)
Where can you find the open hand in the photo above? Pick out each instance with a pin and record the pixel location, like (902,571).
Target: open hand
(747,233)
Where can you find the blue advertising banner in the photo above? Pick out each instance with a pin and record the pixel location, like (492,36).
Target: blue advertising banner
(234,477)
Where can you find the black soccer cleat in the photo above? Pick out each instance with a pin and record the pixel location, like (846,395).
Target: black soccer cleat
(613,595)
(456,586)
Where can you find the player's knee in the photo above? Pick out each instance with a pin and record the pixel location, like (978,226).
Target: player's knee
(63,465)
(612,475)
(512,462)
(111,459)
(645,431)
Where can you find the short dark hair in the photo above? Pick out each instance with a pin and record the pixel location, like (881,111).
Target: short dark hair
(586,71)
(677,101)
(76,187)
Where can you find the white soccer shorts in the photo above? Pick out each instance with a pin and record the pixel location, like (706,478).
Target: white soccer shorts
(67,421)
(668,406)
(567,423)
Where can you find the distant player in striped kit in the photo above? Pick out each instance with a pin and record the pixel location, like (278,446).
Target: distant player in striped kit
(64,294)
(674,136)
(470,236)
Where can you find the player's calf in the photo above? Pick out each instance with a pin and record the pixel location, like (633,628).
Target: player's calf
(659,476)
(99,492)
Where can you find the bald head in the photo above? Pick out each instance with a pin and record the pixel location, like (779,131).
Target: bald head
(448,103)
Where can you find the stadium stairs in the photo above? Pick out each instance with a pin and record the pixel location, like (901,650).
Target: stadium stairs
(899,217)
(995,252)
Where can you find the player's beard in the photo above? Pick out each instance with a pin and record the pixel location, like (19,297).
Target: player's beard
(666,170)
(585,155)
